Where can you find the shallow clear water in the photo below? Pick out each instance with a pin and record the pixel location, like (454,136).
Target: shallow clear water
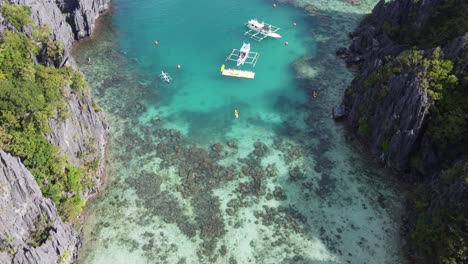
(189,183)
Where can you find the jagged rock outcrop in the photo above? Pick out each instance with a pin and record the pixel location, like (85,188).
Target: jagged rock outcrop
(391,113)
(46,12)
(83,14)
(394,122)
(30,229)
(67,19)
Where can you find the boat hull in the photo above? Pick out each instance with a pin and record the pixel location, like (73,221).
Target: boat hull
(260,29)
(274,35)
(243,54)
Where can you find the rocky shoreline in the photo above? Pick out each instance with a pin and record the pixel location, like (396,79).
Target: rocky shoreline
(30,227)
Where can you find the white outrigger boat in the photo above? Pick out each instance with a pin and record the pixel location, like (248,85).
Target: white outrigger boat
(164,76)
(244,55)
(259,31)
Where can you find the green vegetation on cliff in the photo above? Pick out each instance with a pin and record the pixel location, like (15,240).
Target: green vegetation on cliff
(441,231)
(440,234)
(439,212)
(30,95)
(17,15)
(448,20)
(448,124)
(434,72)
(448,121)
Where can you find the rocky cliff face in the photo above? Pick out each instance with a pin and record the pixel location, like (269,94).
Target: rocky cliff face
(67,19)
(82,136)
(46,12)
(412,122)
(83,14)
(391,113)
(30,229)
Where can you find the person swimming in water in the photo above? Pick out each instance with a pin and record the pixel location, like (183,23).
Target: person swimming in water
(236,114)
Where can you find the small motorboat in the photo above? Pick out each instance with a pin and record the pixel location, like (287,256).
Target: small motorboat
(164,76)
(243,54)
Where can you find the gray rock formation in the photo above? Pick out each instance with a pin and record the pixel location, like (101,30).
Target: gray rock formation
(83,14)
(30,229)
(67,19)
(83,135)
(339,112)
(2,23)
(46,12)
(391,114)
(396,121)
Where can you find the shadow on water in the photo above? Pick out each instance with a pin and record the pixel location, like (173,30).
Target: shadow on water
(319,191)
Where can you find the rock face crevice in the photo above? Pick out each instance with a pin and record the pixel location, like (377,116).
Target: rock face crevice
(31,230)
(392,114)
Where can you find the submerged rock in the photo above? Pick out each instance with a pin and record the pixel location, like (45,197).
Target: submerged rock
(232,144)
(339,112)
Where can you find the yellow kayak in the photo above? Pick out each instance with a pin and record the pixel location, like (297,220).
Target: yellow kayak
(222,68)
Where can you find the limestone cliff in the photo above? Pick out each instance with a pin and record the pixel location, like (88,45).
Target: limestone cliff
(409,103)
(390,108)
(30,229)
(83,14)
(68,20)
(82,136)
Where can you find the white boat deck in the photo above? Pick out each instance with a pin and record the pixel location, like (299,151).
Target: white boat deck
(259,36)
(252,57)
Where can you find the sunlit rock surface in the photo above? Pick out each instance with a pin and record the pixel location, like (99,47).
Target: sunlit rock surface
(31,230)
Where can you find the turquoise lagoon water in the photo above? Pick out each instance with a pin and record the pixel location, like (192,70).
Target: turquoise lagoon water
(188,182)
